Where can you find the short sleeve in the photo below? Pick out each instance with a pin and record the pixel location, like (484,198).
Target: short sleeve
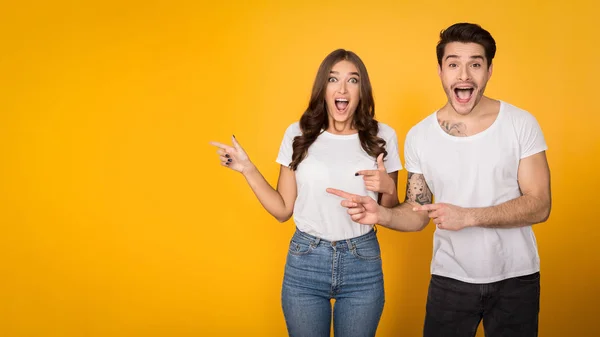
(286,149)
(392,159)
(411,156)
(531,138)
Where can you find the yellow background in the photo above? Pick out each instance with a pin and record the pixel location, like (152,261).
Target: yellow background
(117,220)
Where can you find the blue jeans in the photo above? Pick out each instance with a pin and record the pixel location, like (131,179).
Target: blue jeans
(348,271)
(509,308)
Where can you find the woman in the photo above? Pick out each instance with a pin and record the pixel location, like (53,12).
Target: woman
(338,144)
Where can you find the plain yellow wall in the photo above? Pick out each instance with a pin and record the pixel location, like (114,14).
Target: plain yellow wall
(117,220)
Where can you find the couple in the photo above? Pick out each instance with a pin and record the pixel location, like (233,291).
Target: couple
(483,160)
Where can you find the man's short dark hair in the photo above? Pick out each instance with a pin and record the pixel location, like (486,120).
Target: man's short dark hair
(465,33)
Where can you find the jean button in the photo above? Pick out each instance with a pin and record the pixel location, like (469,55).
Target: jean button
(333,243)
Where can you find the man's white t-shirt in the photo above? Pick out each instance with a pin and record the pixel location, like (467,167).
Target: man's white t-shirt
(332,161)
(478,171)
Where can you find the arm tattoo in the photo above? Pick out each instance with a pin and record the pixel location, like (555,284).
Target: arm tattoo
(417,189)
(454,129)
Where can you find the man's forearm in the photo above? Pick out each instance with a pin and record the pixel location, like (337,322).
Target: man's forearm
(402,218)
(519,212)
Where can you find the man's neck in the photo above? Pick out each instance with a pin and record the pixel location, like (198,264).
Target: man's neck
(485,106)
(477,120)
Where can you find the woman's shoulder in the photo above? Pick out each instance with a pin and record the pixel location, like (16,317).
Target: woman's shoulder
(293,130)
(385,131)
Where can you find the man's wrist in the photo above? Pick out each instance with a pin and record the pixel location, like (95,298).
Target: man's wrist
(385,216)
(470,218)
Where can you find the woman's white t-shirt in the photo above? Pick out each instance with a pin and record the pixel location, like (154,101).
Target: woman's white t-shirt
(332,161)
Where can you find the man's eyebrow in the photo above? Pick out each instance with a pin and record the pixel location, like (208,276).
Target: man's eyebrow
(472,57)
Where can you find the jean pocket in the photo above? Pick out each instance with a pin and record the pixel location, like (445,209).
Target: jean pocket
(368,251)
(531,278)
(300,247)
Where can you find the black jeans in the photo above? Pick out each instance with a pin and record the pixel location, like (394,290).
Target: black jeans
(509,308)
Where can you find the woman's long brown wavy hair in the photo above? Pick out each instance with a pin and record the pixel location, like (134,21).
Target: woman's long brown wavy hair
(315,119)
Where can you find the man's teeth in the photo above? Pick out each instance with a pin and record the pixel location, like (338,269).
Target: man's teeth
(463,93)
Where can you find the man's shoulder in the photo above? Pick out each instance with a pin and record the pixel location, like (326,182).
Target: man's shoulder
(517,115)
(514,110)
(423,126)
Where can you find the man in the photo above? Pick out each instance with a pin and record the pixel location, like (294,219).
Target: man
(484,161)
